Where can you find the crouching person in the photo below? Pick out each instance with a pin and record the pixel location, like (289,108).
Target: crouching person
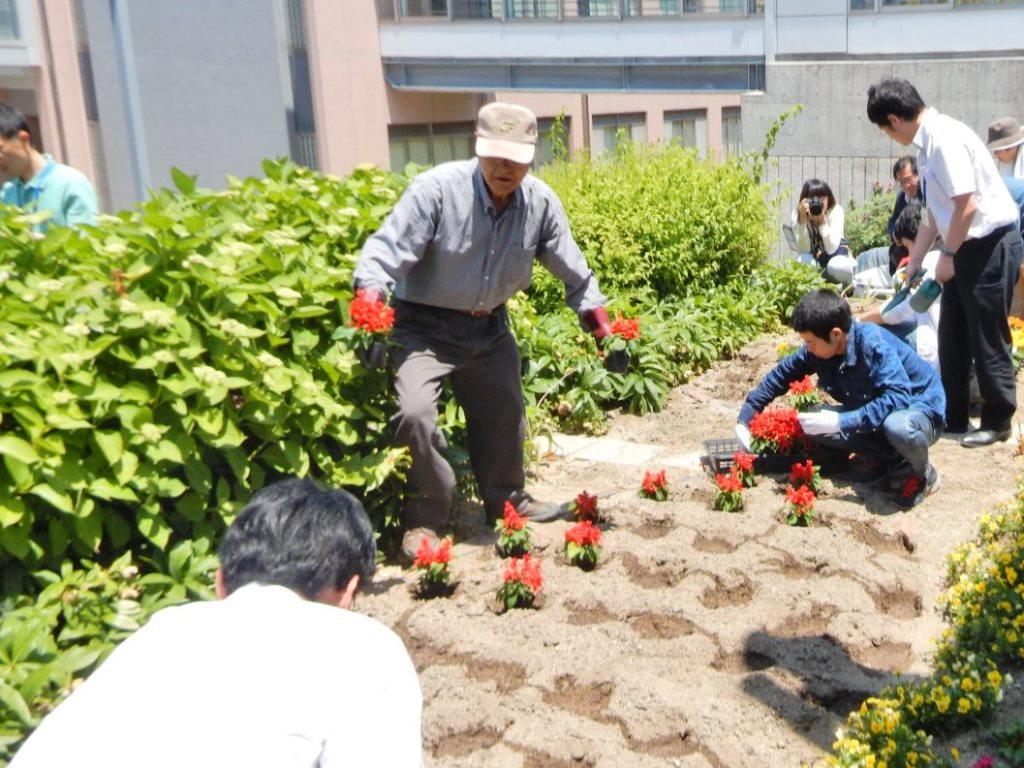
(891,401)
(279,672)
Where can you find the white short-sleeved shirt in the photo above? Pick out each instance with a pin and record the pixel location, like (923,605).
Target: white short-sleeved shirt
(926,336)
(262,679)
(953,161)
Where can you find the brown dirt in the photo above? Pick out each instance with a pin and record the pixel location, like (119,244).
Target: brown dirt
(705,639)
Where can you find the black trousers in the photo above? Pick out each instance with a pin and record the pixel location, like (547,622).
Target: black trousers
(973,327)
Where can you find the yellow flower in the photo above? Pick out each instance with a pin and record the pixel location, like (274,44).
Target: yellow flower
(1011,575)
(955,753)
(963,706)
(995,678)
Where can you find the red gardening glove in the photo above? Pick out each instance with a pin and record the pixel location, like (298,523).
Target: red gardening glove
(599,324)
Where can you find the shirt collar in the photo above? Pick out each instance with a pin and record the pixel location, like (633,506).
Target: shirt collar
(485,197)
(851,346)
(925,129)
(36,182)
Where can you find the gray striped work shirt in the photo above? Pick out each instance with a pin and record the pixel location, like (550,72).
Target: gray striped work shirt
(444,244)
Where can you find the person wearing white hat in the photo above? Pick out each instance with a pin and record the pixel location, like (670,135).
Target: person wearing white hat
(461,241)
(1005,137)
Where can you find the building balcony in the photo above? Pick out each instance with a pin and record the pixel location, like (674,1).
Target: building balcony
(561,10)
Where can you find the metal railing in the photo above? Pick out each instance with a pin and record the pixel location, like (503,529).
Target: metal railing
(559,10)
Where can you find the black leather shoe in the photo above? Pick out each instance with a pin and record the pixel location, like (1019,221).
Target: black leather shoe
(983,437)
(539,511)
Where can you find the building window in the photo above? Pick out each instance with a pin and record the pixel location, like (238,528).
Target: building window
(593,8)
(545,147)
(862,5)
(610,130)
(689,128)
(9,20)
(429,144)
(732,137)
(531,9)
(476,9)
(418,8)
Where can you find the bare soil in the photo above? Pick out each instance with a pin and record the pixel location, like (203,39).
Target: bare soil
(703,638)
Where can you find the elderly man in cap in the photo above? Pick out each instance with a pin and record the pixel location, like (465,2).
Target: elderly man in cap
(461,241)
(1005,137)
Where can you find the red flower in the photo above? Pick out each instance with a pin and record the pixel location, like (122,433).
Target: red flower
(654,482)
(512,521)
(627,328)
(525,570)
(802,387)
(775,430)
(801,498)
(427,555)
(802,473)
(985,761)
(744,462)
(584,534)
(370,316)
(586,506)
(731,483)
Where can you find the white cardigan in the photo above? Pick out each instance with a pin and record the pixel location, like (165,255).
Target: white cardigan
(831,231)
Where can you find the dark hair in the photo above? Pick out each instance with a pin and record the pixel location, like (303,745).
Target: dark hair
(12,121)
(820,311)
(902,163)
(893,97)
(818,188)
(299,535)
(907,222)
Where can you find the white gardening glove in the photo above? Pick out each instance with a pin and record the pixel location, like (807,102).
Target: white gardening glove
(821,423)
(743,436)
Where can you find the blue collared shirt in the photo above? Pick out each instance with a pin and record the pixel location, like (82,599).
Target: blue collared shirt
(445,245)
(878,375)
(66,193)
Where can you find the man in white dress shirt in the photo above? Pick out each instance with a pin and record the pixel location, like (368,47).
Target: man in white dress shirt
(279,673)
(981,253)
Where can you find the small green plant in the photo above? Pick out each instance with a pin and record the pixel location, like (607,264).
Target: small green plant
(867,223)
(1010,743)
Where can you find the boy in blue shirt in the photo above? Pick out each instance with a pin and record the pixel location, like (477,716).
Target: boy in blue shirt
(892,405)
(36,182)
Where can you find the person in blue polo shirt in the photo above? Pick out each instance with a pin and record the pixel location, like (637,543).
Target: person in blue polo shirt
(36,182)
(892,405)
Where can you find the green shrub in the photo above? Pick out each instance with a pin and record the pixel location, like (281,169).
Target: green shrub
(867,223)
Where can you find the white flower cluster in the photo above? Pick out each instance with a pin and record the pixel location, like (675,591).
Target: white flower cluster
(211,377)
(268,360)
(151,432)
(76,329)
(161,318)
(287,294)
(49,286)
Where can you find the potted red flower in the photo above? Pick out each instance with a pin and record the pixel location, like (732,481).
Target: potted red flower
(371,320)
(618,345)
(654,486)
(743,463)
(521,583)
(730,491)
(432,563)
(804,394)
(583,544)
(585,507)
(514,535)
(805,473)
(799,505)
(776,430)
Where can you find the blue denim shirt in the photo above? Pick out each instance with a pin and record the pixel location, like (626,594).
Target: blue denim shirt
(878,375)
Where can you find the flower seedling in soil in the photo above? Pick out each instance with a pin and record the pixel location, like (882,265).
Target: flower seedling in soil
(433,567)
(775,430)
(585,508)
(743,463)
(654,486)
(583,544)
(784,349)
(730,491)
(799,506)
(803,394)
(513,533)
(805,473)
(521,582)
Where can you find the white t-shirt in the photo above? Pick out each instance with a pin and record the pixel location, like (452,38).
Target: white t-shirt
(926,336)
(953,161)
(262,679)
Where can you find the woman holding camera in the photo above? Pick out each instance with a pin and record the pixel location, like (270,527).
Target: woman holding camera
(818,223)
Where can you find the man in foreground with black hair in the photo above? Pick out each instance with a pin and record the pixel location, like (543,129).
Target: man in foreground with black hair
(891,401)
(278,673)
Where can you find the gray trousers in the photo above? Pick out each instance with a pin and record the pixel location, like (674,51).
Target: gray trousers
(480,356)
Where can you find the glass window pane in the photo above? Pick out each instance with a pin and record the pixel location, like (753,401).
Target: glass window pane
(8,20)
(532,9)
(424,7)
(731,133)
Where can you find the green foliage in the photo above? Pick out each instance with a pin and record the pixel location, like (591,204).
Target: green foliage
(866,224)
(659,222)
(559,138)
(1010,743)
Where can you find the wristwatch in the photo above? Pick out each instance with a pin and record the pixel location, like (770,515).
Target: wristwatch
(946,252)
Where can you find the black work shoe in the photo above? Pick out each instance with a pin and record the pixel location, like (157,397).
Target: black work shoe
(916,489)
(539,511)
(983,437)
(868,469)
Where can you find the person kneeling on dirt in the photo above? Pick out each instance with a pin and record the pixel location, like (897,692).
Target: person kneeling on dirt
(892,404)
(279,672)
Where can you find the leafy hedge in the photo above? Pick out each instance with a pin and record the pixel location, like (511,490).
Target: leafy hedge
(867,223)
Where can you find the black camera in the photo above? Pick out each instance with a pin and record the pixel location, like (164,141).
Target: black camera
(815,205)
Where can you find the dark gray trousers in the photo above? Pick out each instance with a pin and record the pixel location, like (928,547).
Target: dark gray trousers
(480,356)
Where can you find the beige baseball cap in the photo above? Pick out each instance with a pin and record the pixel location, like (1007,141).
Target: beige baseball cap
(1004,133)
(508,131)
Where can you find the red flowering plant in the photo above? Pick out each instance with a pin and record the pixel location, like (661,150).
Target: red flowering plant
(521,582)
(370,320)
(514,535)
(654,486)
(432,563)
(776,430)
(799,505)
(585,508)
(804,394)
(743,463)
(805,473)
(730,491)
(626,327)
(583,544)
